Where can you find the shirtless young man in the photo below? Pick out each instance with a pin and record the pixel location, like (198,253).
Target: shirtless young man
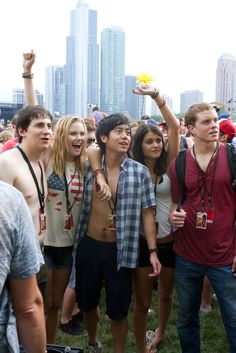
(108,233)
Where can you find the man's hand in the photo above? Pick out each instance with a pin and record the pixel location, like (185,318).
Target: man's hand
(177,218)
(234,266)
(28,61)
(103,189)
(155,265)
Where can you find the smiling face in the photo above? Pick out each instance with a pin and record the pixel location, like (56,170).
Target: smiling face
(206,127)
(119,139)
(152,145)
(75,141)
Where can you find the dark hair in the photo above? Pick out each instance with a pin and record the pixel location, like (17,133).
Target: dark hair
(161,162)
(27,114)
(108,124)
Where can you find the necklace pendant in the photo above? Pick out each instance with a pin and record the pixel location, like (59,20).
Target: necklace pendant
(111,222)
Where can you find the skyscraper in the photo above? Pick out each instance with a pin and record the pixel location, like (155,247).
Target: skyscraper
(19,98)
(133,102)
(54,89)
(188,98)
(226,79)
(81,69)
(113,70)
(93,60)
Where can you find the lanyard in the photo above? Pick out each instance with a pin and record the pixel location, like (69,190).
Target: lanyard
(41,195)
(68,204)
(203,188)
(113,209)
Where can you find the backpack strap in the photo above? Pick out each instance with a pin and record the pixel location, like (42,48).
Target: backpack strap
(180,166)
(231,156)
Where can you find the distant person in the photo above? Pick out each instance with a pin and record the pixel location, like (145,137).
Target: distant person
(20,260)
(227,131)
(11,143)
(97,115)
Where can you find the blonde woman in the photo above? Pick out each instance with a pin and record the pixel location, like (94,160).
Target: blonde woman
(65,172)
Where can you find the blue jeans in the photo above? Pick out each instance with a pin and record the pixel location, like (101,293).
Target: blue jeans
(189,280)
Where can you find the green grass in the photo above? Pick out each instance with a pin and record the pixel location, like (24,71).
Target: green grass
(212,332)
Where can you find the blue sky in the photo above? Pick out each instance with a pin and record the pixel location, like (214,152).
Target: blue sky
(177,42)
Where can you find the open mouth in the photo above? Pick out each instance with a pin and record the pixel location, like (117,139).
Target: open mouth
(76,147)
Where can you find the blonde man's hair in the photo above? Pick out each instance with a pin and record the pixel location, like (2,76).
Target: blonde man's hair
(6,135)
(60,145)
(190,117)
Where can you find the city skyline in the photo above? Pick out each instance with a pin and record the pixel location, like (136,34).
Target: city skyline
(177,42)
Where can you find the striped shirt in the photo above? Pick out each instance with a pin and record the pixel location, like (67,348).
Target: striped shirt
(134,192)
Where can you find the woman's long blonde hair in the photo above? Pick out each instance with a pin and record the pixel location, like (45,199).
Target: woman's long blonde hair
(60,145)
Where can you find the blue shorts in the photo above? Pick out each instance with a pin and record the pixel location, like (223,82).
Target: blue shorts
(58,257)
(96,265)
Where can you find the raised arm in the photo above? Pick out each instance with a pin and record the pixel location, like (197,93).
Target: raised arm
(29,91)
(171,121)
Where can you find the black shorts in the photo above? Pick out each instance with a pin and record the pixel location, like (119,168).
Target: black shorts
(96,264)
(58,257)
(144,255)
(166,254)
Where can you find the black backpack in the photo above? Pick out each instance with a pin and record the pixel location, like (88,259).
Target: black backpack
(180,166)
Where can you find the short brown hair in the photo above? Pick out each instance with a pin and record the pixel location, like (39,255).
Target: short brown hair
(190,115)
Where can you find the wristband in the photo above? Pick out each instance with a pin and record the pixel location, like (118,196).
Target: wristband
(98,171)
(155,94)
(153,250)
(27,75)
(162,104)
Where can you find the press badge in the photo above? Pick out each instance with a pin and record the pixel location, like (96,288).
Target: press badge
(111,222)
(201,222)
(43,223)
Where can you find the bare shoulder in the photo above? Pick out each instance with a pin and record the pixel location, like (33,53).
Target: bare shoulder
(9,165)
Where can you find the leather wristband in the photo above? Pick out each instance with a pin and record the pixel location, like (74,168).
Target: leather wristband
(162,104)
(98,171)
(155,94)
(153,250)
(27,75)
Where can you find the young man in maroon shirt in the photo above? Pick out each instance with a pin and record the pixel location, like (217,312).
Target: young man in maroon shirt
(205,242)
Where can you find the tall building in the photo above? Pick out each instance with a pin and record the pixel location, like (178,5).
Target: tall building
(54,89)
(133,102)
(18,96)
(154,108)
(93,61)
(226,80)
(81,60)
(188,98)
(112,70)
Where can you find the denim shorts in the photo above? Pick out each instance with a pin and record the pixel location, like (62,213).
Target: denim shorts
(58,257)
(96,265)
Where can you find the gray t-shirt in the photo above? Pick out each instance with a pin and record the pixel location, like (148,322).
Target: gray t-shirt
(20,256)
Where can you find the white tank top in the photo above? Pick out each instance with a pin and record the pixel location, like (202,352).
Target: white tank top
(163,205)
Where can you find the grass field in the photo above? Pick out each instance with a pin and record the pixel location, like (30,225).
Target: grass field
(212,332)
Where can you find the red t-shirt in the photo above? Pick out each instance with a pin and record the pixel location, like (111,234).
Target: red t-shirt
(9,144)
(216,245)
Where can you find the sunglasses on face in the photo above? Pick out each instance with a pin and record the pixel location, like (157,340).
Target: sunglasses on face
(91,140)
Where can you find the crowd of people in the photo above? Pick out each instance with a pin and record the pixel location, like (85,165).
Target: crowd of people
(100,202)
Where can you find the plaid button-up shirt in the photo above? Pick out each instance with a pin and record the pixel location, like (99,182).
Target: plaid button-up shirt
(134,192)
